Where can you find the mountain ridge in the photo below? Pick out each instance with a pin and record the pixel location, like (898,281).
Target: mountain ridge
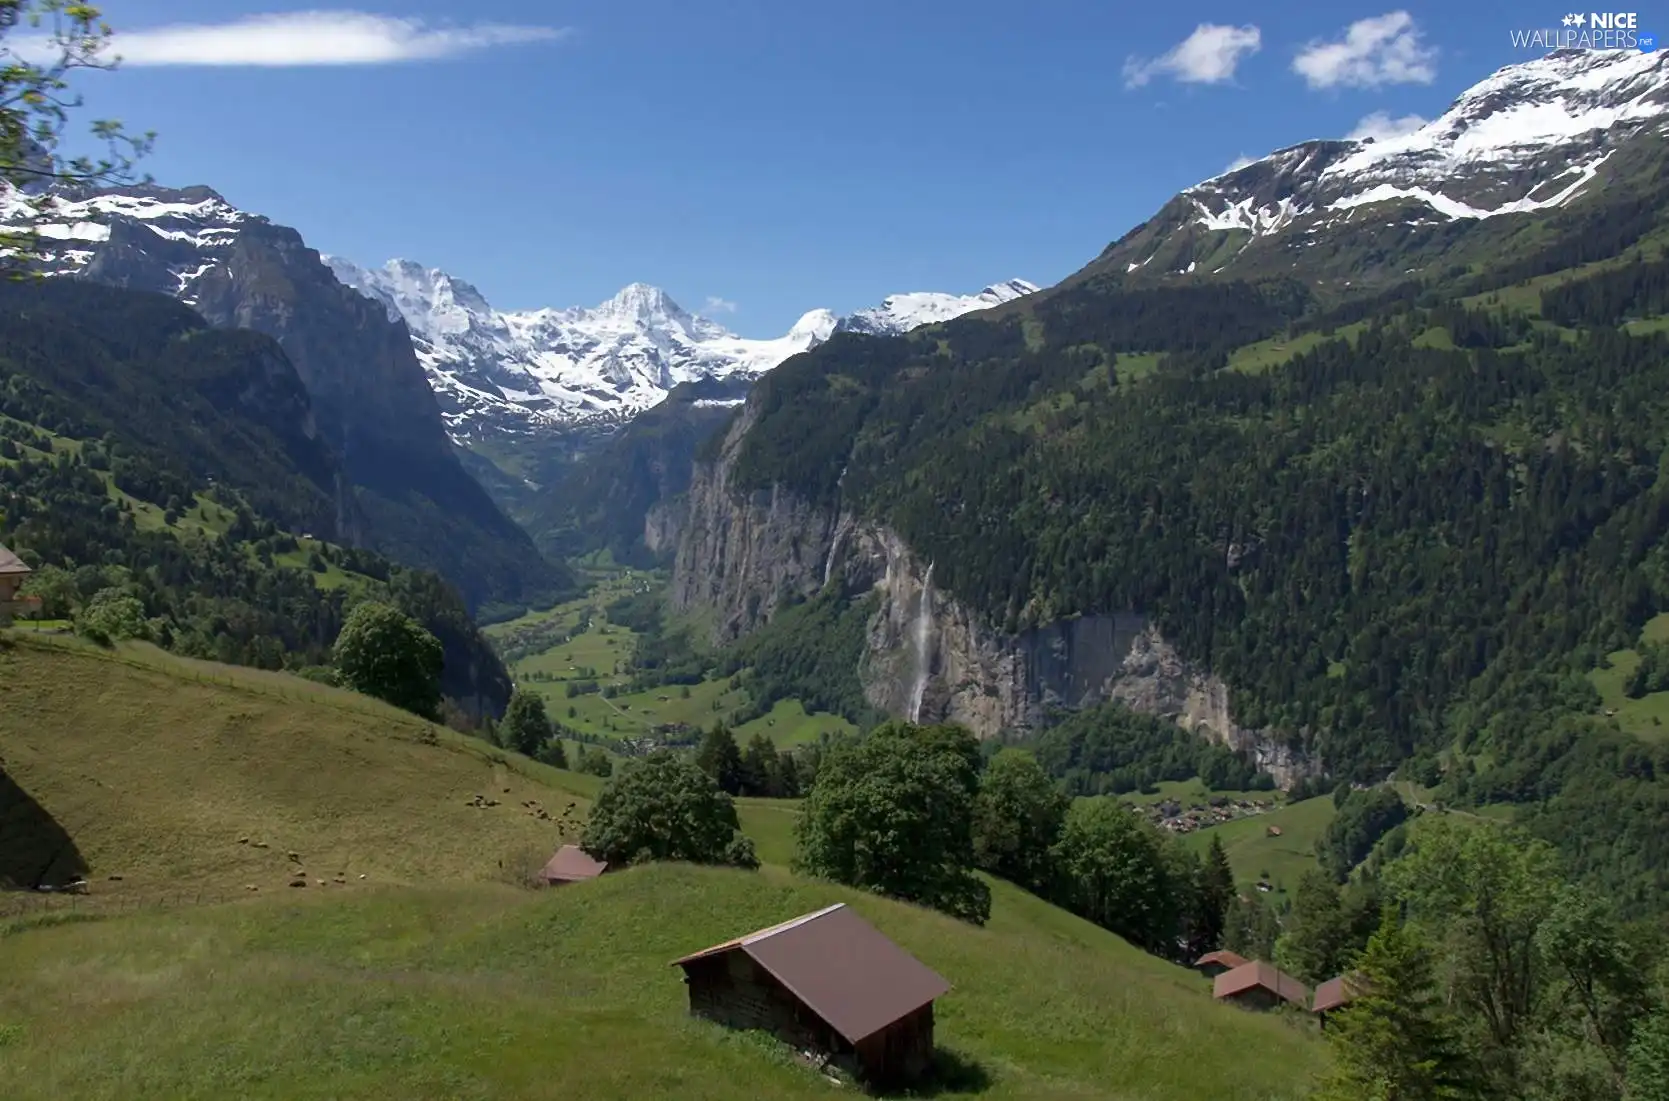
(1532,136)
(559,367)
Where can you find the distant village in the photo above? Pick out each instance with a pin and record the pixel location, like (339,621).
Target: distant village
(1170,814)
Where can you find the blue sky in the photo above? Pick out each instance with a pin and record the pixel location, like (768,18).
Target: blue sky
(769,156)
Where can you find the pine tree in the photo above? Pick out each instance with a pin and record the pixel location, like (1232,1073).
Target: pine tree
(719,758)
(1216,894)
(1393,1042)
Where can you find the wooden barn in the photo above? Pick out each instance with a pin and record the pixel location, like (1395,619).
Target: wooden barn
(571,864)
(830,984)
(1332,995)
(1213,964)
(1259,985)
(13,573)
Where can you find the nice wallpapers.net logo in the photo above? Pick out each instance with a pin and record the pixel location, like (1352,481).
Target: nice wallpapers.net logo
(1589,30)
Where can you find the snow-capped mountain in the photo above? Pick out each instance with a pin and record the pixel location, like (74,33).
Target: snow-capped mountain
(518,371)
(899,313)
(1534,136)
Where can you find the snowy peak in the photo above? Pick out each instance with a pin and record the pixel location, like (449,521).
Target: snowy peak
(900,313)
(1531,136)
(644,305)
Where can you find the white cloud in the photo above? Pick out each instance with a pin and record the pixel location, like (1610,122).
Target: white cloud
(303,38)
(1383,50)
(1380,125)
(1238,163)
(715,304)
(1208,56)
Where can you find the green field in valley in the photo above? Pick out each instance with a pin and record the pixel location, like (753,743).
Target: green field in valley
(412,965)
(559,651)
(1256,854)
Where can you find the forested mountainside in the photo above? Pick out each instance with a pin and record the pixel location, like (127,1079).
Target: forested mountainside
(142,450)
(1348,529)
(369,394)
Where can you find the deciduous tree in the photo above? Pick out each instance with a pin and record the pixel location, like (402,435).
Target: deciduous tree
(383,652)
(1018,816)
(893,814)
(665,808)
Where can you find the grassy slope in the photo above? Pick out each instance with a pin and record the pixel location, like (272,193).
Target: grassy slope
(429,980)
(158,774)
(1253,853)
(486,991)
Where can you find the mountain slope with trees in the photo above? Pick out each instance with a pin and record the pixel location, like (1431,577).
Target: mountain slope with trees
(142,451)
(1402,522)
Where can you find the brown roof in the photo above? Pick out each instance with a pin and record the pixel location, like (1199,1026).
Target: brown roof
(11,563)
(571,863)
(1223,956)
(1334,993)
(1257,973)
(843,968)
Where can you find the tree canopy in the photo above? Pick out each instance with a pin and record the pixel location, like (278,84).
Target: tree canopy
(663,807)
(893,814)
(383,652)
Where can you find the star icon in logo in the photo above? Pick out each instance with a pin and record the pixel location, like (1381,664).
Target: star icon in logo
(1578,18)
(1569,20)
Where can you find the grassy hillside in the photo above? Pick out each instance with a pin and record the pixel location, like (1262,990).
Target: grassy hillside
(430,979)
(183,776)
(485,991)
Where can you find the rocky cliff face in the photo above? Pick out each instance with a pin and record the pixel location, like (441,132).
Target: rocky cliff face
(928,657)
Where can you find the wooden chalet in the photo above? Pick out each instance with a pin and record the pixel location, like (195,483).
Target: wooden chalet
(1213,964)
(571,864)
(1259,985)
(830,984)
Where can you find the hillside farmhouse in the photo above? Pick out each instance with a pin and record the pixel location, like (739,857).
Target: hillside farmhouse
(571,864)
(13,573)
(830,984)
(1259,985)
(1213,964)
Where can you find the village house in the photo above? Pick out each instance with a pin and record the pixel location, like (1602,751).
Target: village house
(828,983)
(1213,964)
(13,573)
(571,864)
(1332,995)
(1259,985)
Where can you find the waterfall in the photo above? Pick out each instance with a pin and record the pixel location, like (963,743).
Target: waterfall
(923,644)
(841,527)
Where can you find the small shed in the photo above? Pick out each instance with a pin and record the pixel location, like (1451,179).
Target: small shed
(1334,994)
(830,984)
(571,864)
(13,573)
(1213,964)
(1260,985)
